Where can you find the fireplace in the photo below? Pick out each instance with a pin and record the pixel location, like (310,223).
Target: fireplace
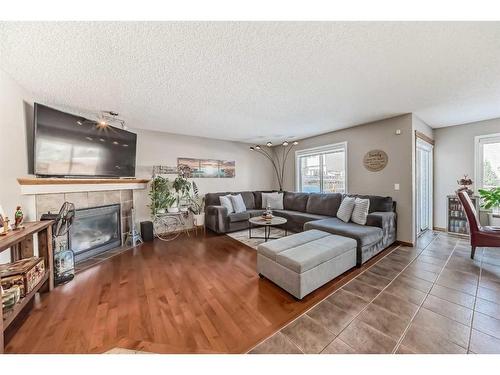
(95,230)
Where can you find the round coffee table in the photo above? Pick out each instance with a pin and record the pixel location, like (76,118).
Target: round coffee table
(267,224)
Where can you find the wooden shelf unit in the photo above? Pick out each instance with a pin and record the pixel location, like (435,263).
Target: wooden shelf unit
(20,243)
(456,221)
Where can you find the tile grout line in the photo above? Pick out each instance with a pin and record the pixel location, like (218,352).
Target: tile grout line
(403,335)
(381,291)
(328,296)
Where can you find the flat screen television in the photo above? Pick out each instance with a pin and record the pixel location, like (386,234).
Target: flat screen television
(72,146)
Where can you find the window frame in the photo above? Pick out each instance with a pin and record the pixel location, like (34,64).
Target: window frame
(341,146)
(479,141)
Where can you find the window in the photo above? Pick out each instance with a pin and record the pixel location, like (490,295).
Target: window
(487,171)
(322,169)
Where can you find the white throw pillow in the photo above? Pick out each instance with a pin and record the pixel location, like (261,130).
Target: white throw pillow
(275,202)
(225,201)
(265,196)
(360,211)
(238,203)
(345,210)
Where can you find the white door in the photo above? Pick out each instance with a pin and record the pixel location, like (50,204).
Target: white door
(424,185)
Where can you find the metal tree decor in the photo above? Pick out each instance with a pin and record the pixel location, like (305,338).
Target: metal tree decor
(277,157)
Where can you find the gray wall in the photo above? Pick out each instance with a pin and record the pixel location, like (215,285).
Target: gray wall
(253,171)
(361,139)
(453,157)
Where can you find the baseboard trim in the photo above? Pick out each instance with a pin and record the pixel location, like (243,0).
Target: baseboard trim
(439,229)
(404,243)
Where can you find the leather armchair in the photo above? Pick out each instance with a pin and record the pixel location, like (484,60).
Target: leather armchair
(479,235)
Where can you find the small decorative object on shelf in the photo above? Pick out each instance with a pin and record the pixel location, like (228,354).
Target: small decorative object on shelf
(457,221)
(9,281)
(10,297)
(31,269)
(464,184)
(5,229)
(18,218)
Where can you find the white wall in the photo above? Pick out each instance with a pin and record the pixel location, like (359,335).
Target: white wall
(454,157)
(253,171)
(16,106)
(361,139)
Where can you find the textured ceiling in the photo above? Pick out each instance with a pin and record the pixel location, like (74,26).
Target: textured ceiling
(250,81)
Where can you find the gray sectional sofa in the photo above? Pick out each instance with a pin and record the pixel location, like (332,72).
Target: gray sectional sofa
(305,211)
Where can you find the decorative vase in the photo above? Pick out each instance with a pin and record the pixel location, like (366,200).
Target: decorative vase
(199,219)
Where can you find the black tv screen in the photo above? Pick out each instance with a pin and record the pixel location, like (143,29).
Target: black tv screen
(69,145)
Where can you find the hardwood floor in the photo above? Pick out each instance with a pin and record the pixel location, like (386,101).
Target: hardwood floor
(192,295)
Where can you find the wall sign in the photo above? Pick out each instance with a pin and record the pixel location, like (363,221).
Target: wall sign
(375,160)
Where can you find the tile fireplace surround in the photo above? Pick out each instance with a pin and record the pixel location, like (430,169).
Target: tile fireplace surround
(53,202)
(48,194)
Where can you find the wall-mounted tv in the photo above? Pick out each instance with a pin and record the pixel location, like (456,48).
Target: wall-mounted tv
(73,146)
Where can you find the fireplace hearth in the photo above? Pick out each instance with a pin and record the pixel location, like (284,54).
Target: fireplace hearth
(94,231)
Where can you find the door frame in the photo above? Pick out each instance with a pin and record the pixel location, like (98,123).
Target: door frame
(425,143)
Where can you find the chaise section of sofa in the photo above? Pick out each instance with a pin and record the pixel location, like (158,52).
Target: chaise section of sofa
(306,211)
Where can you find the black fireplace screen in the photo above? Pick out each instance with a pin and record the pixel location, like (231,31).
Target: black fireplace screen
(95,230)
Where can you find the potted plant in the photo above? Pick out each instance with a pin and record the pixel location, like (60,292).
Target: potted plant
(172,203)
(491,201)
(159,193)
(182,188)
(197,206)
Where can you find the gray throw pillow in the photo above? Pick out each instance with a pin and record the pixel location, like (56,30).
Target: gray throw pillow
(345,210)
(225,201)
(275,202)
(360,211)
(238,203)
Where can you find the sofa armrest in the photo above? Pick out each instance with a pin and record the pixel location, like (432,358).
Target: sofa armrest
(216,218)
(381,219)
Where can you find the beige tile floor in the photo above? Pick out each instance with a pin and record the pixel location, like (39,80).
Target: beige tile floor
(429,299)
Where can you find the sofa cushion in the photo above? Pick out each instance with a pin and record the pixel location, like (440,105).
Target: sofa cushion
(248,198)
(298,217)
(365,235)
(295,201)
(307,256)
(360,212)
(273,248)
(225,201)
(345,210)
(212,199)
(324,204)
(255,212)
(239,216)
(257,195)
(238,203)
(275,202)
(377,203)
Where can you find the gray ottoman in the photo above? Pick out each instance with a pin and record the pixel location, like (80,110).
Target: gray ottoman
(303,262)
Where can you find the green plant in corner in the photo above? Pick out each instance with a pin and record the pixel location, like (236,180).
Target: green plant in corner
(490,198)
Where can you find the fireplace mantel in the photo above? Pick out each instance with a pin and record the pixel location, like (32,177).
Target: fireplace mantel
(33,185)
